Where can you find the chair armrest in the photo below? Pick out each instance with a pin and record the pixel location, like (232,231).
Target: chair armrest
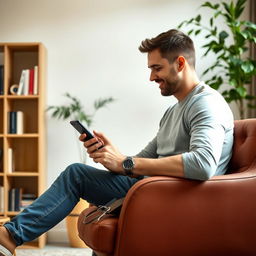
(165,212)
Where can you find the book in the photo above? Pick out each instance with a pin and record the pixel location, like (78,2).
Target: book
(35,80)
(26,82)
(31,82)
(21,83)
(1,79)
(14,202)
(12,122)
(20,122)
(17,199)
(10,163)
(11,200)
(16,122)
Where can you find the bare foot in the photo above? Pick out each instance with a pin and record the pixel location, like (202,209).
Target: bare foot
(6,240)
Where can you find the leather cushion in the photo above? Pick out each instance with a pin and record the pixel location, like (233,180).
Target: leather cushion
(101,235)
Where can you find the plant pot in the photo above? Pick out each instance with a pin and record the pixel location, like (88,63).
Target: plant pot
(71,224)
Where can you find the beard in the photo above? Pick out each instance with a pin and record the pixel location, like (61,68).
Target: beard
(168,87)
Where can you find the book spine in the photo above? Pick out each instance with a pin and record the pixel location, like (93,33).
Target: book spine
(21,83)
(26,82)
(35,80)
(31,82)
(12,122)
(17,199)
(20,122)
(11,203)
(10,160)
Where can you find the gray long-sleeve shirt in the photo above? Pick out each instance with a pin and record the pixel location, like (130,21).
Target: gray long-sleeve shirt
(200,127)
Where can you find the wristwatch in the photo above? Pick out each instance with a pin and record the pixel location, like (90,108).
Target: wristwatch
(128,165)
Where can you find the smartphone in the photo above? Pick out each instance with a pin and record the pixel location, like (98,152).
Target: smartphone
(81,129)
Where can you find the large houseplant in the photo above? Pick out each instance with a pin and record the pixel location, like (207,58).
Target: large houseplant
(230,43)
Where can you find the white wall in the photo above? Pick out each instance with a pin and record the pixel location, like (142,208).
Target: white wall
(92,52)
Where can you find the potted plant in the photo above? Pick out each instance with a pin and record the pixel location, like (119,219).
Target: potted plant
(229,43)
(75,110)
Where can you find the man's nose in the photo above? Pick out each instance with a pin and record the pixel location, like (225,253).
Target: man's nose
(152,76)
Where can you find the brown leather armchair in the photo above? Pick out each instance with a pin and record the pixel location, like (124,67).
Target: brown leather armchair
(164,216)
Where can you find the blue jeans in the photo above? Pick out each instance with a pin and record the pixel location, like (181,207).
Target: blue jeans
(77,181)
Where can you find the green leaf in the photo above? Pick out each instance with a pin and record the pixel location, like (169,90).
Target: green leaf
(240,5)
(216,14)
(244,34)
(250,25)
(197,32)
(207,4)
(207,36)
(100,103)
(226,6)
(233,82)
(247,67)
(181,24)
(211,21)
(234,95)
(241,91)
(223,35)
(190,31)
(216,6)
(198,18)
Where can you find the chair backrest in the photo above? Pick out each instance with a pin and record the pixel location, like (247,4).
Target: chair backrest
(244,148)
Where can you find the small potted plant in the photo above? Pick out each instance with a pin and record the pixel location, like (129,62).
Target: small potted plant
(75,110)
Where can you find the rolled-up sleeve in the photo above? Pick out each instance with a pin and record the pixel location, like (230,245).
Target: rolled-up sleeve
(205,150)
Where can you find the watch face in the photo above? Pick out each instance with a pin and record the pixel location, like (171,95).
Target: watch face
(128,164)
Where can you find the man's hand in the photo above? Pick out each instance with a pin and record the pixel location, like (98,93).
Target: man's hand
(109,156)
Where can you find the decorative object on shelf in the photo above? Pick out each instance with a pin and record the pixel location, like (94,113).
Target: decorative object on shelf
(229,43)
(75,111)
(14,89)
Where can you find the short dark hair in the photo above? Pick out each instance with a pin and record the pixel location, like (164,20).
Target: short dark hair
(171,42)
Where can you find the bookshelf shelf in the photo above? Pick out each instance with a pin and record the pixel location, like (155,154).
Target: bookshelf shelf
(22,174)
(24,135)
(22,162)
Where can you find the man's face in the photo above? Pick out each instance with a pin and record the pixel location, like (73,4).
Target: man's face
(164,73)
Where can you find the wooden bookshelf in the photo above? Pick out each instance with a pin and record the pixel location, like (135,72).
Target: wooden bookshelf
(29,147)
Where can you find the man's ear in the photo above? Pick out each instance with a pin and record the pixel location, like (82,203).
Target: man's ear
(181,63)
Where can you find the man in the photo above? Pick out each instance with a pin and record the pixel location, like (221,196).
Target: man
(194,141)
